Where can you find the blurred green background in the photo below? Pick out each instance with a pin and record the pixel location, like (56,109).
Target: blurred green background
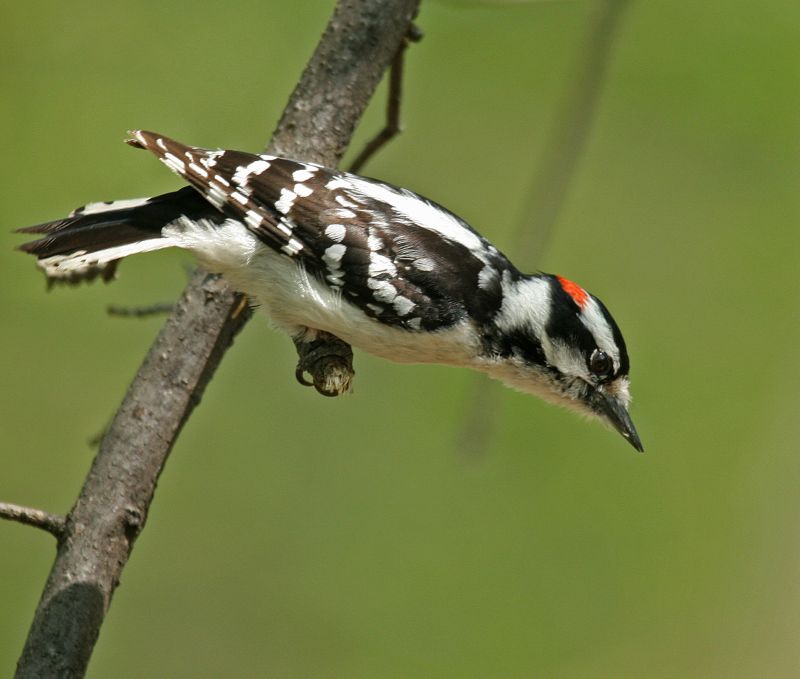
(298,536)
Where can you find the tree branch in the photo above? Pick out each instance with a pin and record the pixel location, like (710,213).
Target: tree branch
(140,311)
(392,127)
(358,45)
(52,523)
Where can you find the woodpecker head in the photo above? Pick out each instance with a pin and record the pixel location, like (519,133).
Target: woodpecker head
(559,342)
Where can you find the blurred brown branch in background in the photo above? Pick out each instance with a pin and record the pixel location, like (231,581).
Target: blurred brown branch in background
(548,192)
(360,41)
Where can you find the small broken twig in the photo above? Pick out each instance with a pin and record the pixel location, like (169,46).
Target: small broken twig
(38,518)
(392,127)
(140,311)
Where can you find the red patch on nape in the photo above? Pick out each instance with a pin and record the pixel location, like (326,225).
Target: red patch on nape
(578,294)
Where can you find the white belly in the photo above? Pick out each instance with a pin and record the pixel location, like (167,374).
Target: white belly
(297,301)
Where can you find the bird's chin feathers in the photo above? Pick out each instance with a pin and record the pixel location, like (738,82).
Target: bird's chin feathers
(573,394)
(536,380)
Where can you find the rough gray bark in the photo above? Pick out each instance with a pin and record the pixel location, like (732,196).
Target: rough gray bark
(357,46)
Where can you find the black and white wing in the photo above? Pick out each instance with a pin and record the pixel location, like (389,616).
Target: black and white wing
(399,257)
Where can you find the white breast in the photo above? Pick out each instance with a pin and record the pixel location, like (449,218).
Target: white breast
(296,300)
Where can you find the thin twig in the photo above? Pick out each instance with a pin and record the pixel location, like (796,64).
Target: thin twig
(38,518)
(157,309)
(393,126)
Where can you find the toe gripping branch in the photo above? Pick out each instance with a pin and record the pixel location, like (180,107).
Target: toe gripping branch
(328,361)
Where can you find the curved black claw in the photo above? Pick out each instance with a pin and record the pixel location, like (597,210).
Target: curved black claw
(300,376)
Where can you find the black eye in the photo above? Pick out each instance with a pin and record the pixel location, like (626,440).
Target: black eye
(600,363)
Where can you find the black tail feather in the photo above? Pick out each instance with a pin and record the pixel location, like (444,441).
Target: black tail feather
(90,241)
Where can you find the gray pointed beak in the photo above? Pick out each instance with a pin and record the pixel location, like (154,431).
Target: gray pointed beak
(612,411)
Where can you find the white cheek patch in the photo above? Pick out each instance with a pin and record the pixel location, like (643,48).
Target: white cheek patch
(526,303)
(569,360)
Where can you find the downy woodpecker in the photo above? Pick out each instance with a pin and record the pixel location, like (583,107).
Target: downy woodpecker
(378,266)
